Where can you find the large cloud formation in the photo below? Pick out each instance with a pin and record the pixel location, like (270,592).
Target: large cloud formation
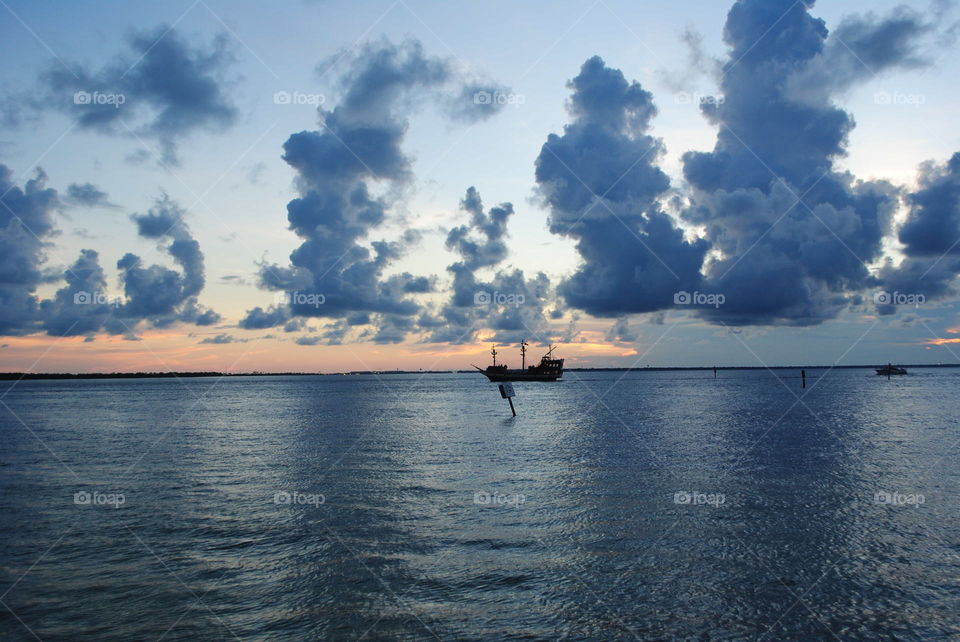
(155,295)
(787,238)
(162,90)
(603,188)
(347,174)
(795,236)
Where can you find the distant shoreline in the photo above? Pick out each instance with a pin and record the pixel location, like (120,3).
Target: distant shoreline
(17,376)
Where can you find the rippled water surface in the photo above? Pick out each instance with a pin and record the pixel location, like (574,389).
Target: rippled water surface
(648,505)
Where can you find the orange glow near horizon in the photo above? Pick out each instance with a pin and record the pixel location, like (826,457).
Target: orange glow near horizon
(165,350)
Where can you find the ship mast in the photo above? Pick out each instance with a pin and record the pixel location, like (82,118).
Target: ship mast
(493,351)
(523,354)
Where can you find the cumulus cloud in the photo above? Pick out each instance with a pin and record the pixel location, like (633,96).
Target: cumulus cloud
(602,186)
(26,226)
(87,195)
(930,236)
(82,305)
(158,293)
(162,88)
(508,303)
(349,172)
(793,235)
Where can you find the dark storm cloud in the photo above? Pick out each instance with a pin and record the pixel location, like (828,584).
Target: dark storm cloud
(87,195)
(162,89)
(602,186)
(348,172)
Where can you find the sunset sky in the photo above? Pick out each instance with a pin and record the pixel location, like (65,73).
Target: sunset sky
(331,186)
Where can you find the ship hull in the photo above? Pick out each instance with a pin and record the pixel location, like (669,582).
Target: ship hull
(521,375)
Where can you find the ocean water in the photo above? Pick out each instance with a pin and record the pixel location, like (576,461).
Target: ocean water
(648,505)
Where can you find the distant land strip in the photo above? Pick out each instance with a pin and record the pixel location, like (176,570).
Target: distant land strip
(16,376)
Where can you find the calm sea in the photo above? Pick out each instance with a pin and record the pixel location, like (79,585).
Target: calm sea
(651,505)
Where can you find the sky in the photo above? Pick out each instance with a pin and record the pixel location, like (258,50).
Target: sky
(321,185)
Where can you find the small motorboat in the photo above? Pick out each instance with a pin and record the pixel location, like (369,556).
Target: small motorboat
(891,369)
